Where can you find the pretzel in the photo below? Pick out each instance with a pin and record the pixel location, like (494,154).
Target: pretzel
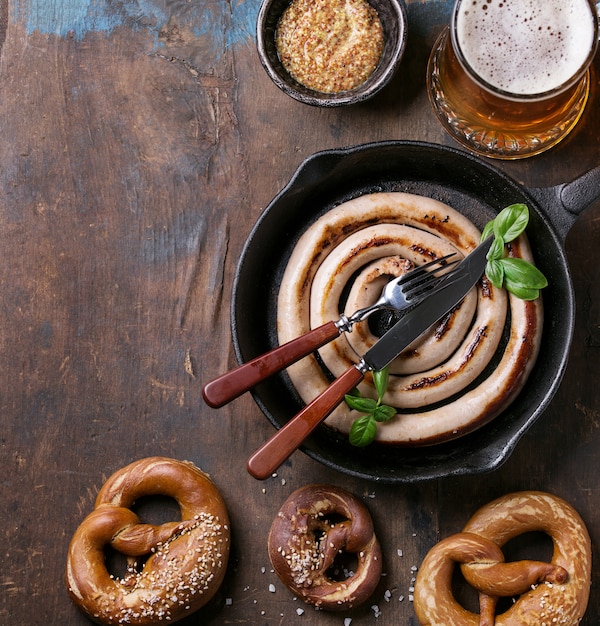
(315,525)
(549,593)
(183,563)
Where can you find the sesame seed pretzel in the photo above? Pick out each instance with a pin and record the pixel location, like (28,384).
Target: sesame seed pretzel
(549,593)
(315,525)
(184,562)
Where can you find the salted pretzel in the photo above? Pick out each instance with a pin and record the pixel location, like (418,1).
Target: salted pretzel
(172,569)
(548,593)
(315,525)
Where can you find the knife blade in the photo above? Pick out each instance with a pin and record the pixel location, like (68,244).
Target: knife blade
(450,292)
(441,301)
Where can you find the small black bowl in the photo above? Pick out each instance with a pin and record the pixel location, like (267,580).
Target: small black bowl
(392,14)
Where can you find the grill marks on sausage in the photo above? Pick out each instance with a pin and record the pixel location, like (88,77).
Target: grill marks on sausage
(428,382)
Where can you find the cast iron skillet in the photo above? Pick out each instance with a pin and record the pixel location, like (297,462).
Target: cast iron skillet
(471,186)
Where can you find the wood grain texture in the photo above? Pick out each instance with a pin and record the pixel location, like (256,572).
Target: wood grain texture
(136,157)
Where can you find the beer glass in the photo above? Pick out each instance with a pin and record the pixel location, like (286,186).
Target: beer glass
(510,78)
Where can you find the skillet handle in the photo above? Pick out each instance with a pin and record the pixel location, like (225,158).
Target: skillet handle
(288,438)
(234,383)
(580,193)
(564,203)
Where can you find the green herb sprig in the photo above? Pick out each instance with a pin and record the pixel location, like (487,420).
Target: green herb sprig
(364,428)
(521,278)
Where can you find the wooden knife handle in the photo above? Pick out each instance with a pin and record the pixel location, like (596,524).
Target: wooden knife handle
(235,382)
(288,438)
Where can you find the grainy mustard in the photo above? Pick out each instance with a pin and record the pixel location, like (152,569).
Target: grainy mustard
(330,45)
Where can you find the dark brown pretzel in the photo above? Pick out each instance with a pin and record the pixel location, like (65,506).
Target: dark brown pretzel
(314,525)
(550,593)
(186,559)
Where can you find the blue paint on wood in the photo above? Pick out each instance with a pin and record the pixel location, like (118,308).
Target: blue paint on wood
(79,17)
(70,17)
(244,16)
(425,15)
(209,20)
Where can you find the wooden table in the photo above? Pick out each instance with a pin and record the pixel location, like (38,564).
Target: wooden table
(139,143)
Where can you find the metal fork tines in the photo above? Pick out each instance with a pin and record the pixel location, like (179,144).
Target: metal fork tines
(404,291)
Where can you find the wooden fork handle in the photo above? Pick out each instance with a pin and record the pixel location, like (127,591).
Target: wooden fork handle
(288,438)
(239,380)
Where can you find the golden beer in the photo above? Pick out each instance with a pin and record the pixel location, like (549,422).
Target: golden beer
(510,78)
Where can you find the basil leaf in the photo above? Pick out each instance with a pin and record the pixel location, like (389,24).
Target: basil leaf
(488,229)
(380,380)
(522,292)
(522,272)
(363,431)
(494,270)
(496,250)
(364,405)
(384,413)
(511,221)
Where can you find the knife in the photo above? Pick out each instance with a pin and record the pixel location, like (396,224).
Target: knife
(450,292)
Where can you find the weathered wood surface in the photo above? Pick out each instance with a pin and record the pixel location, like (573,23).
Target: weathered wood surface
(139,143)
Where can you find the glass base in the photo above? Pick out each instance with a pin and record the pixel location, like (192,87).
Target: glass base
(493,126)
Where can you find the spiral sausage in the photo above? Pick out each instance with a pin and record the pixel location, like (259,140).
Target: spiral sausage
(442,385)
(314,526)
(184,562)
(549,593)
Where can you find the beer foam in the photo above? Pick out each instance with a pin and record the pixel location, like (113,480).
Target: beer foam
(525,47)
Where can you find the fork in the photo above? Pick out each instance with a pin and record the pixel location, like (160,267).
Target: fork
(399,294)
